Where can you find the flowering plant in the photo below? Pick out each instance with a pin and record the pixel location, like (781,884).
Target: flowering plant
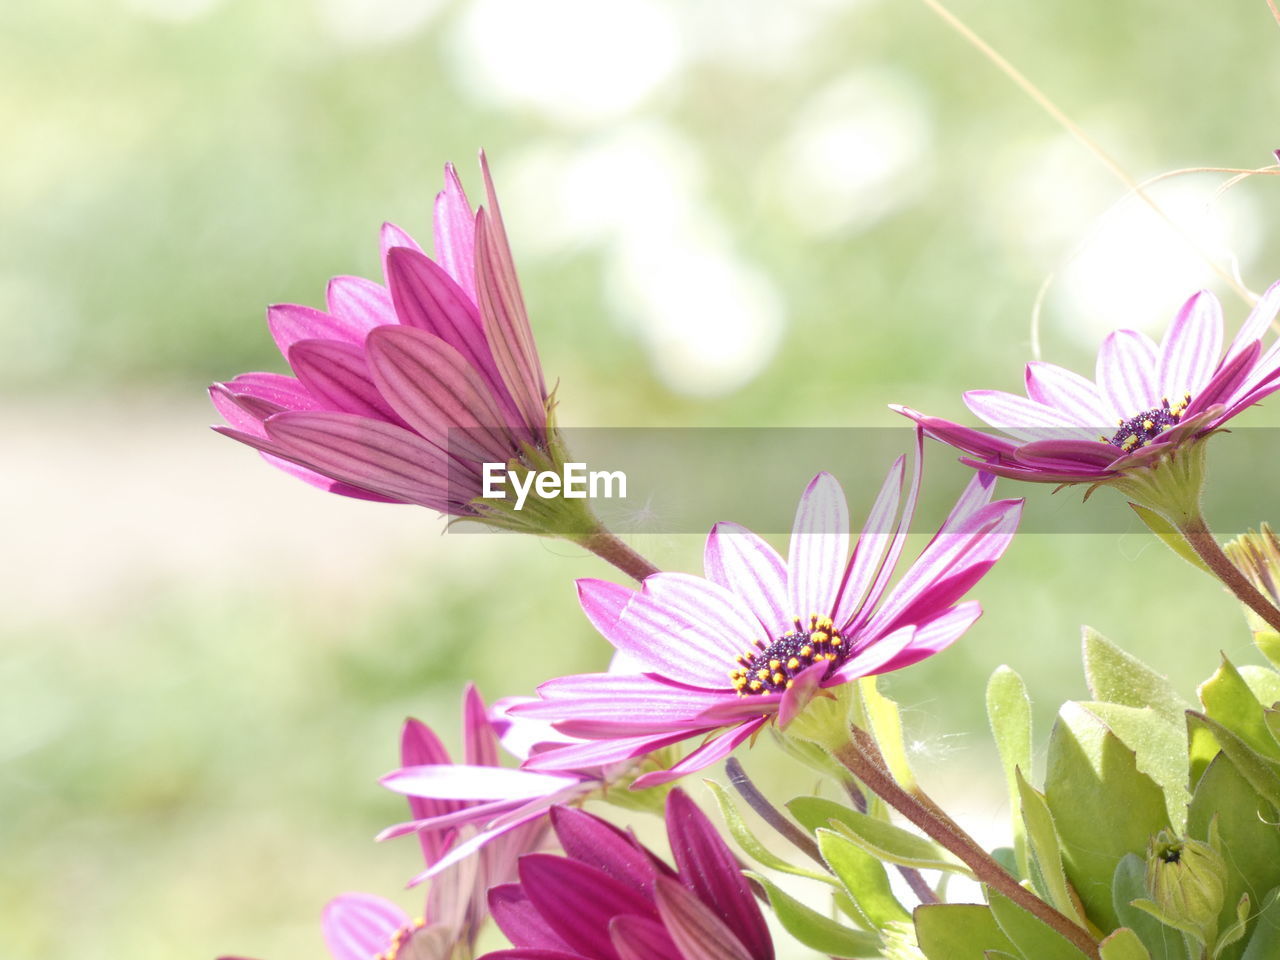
(1152,835)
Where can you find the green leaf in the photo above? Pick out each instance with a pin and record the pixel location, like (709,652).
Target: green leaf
(1265,942)
(1129,885)
(1250,843)
(1103,806)
(959,931)
(1201,749)
(1257,770)
(1115,676)
(864,878)
(1031,935)
(815,930)
(1167,532)
(1009,712)
(751,845)
(1228,701)
(1045,851)
(878,837)
(1227,944)
(1159,743)
(1263,681)
(1123,945)
(885,722)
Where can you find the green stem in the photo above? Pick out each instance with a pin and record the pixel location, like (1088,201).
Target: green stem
(858,756)
(1203,542)
(608,547)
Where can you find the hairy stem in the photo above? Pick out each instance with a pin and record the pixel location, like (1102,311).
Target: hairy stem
(1203,542)
(858,756)
(610,548)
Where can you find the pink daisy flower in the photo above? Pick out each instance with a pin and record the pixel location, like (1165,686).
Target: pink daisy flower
(760,636)
(1146,403)
(400,392)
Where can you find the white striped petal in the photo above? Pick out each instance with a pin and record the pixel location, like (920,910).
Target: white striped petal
(1191,347)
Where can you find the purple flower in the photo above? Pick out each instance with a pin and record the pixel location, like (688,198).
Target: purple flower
(477,806)
(399,393)
(360,926)
(760,636)
(609,898)
(1147,403)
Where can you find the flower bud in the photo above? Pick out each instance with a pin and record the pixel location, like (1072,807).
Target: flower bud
(1187,882)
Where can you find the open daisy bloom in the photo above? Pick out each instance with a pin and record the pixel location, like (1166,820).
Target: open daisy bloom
(609,898)
(759,636)
(1139,426)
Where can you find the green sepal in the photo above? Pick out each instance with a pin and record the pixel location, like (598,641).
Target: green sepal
(815,930)
(1229,701)
(1130,884)
(959,931)
(1123,944)
(878,837)
(864,879)
(1009,713)
(1263,681)
(1045,851)
(751,845)
(1103,806)
(884,721)
(1032,937)
(1168,533)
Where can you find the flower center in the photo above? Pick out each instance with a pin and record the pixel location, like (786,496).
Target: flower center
(769,668)
(1138,431)
(401,947)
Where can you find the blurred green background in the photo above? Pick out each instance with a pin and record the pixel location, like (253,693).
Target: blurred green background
(725,213)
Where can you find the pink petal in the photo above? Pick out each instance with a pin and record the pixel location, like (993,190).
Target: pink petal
(796,697)
(1259,320)
(1027,419)
(455,232)
(359,926)
(703,756)
(392,237)
(597,706)
(419,745)
(971,441)
(428,299)
(457,781)
(439,394)
(877,537)
(375,456)
(1063,390)
(1127,371)
(748,567)
(1069,454)
(819,550)
(640,938)
(1191,347)
(592,754)
(1230,376)
(520,922)
(875,657)
(479,739)
(728,623)
(853,616)
(506,322)
(577,901)
(976,495)
(360,304)
(935,636)
(289,323)
(657,635)
(949,566)
(443,826)
(697,932)
(337,375)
